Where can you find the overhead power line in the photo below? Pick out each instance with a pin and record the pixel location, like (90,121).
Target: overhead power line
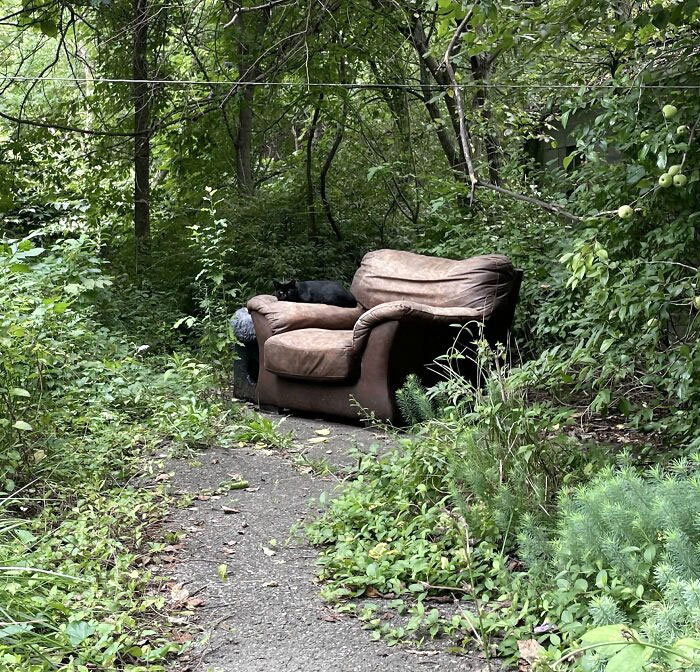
(347,86)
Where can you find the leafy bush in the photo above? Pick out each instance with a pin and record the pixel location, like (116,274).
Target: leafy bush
(548,538)
(630,543)
(81,407)
(390,528)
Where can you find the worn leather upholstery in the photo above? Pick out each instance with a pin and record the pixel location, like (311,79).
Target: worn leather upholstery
(333,360)
(311,354)
(409,311)
(286,315)
(393,275)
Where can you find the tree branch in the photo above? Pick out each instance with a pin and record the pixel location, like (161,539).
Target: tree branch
(463,132)
(550,207)
(61,127)
(240,10)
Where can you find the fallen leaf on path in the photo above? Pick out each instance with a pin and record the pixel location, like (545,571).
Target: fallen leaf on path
(181,637)
(322,432)
(229,509)
(161,477)
(329,615)
(270,584)
(530,650)
(222,571)
(268,551)
(178,593)
(318,439)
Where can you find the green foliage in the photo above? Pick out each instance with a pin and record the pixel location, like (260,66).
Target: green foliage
(632,542)
(210,294)
(413,401)
(447,509)
(509,456)
(617,647)
(563,106)
(82,407)
(259,430)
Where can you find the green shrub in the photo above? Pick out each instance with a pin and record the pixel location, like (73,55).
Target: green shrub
(81,408)
(626,550)
(413,401)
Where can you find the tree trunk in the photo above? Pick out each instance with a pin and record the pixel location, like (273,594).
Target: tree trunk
(250,31)
(480,69)
(327,166)
(310,200)
(142,140)
(244,141)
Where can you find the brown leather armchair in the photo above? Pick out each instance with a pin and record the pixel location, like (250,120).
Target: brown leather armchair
(331,360)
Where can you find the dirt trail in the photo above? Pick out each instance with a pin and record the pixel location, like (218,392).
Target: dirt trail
(267,615)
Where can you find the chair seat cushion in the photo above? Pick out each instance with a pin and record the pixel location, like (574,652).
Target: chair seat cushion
(311,354)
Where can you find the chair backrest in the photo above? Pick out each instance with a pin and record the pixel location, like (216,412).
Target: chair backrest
(483,283)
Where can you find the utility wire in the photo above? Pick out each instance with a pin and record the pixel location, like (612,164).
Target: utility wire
(350,86)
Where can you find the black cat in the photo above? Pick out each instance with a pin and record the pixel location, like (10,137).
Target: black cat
(314,291)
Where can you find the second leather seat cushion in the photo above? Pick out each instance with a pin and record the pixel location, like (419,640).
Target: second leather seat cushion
(313,354)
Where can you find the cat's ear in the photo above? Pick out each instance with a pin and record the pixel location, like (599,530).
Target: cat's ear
(278,284)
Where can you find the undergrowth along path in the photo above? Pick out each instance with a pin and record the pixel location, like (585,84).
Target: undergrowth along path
(249,574)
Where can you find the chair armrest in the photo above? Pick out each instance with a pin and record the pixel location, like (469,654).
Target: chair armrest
(406,310)
(287,316)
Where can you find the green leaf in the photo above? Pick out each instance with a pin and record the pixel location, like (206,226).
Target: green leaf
(79,631)
(23,426)
(629,659)
(604,635)
(222,571)
(687,648)
(33,252)
(661,159)
(49,28)
(25,536)
(635,172)
(373,171)
(19,392)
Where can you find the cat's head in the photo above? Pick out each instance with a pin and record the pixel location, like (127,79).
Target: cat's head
(286,290)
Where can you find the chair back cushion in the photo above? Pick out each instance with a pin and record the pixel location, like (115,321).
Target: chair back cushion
(483,283)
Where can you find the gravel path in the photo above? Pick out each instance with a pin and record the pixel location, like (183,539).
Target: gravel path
(267,615)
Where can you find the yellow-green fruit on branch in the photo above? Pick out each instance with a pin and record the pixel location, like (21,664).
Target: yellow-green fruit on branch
(624,212)
(682,129)
(674,170)
(680,180)
(696,301)
(669,111)
(665,180)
